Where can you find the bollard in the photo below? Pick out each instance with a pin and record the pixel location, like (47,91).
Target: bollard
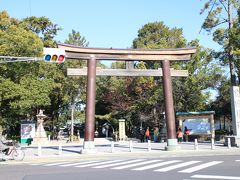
(130,146)
(149,145)
(60,149)
(229,143)
(48,137)
(196,144)
(39,150)
(112,146)
(212,144)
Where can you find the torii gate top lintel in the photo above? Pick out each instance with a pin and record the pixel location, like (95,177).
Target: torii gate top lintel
(79,52)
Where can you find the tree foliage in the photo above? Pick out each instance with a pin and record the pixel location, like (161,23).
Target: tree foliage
(140,99)
(76,39)
(223,19)
(27,87)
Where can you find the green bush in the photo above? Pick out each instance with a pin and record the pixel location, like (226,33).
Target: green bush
(222,132)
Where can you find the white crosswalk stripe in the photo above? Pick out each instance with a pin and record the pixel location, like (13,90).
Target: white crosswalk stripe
(199,167)
(136,164)
(55,164)
(79,163)
(121,163)
(100,163)
(169,168)
(156,165)
(35,164)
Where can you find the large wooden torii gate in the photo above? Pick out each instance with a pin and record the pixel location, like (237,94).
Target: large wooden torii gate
(94,54)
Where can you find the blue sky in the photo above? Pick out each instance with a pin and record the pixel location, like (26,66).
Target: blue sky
(112,23)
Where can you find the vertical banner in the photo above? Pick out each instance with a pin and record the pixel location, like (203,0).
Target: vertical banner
(122,133)
(235,107)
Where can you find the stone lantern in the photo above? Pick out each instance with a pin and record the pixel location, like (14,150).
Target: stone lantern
(40,136)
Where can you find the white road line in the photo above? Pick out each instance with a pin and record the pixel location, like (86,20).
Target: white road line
(136,164)
(215,177)
(237,160)
(99,163)
(169,168)
(79,163)
(156,165)
(121,163)
(199,167)
(55,164)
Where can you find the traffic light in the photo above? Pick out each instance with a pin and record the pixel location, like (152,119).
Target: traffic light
(54,55)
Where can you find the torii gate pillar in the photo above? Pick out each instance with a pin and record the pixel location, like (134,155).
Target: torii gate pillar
(172,143)
(88,145)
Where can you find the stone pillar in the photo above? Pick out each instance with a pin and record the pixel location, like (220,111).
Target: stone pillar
(235,107)
(172,143)
(88,145)
(212,126)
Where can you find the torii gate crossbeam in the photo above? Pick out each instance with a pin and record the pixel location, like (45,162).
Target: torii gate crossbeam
(93,54)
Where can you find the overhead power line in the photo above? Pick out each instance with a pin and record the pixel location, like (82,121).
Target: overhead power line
(8,59)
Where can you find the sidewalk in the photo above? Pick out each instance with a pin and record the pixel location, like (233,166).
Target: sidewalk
(62,150)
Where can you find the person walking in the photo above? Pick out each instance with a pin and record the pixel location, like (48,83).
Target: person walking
(180,135)
(186,133)
(156,134)
(141,132)
(147,134)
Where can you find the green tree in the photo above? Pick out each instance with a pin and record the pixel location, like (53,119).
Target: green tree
(223,19)
(221,105)
(76,39)
(43,27)
(18,95)
(191,93)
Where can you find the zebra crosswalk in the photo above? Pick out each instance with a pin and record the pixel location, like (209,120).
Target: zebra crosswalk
(156,165)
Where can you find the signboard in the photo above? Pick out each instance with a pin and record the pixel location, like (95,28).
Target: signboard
(198,126)
(27,132)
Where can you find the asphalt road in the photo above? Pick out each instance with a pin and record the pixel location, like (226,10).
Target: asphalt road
(174,168)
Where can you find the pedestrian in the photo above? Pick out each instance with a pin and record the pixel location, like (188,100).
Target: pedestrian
(147,134)
(186,133)
(156,134)
(3,145)
(141,132)
(180,135)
